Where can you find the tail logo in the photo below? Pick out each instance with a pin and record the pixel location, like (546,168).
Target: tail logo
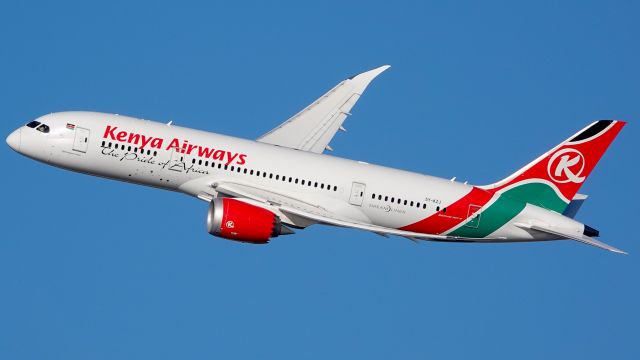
(566,166)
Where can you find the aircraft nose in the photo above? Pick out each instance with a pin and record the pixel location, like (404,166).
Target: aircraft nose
(14,139)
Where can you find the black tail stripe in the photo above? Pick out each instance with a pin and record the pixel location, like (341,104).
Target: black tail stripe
(593,130)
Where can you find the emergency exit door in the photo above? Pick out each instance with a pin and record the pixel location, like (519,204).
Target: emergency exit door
(81,141)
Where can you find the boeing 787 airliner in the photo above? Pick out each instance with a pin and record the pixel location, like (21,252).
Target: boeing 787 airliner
(260,189)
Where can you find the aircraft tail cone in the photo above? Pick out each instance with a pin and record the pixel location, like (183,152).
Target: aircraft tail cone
(591,232)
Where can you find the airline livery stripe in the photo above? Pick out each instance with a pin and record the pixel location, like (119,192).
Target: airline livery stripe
(452,215)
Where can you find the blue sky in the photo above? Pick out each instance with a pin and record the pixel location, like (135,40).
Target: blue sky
(96,269)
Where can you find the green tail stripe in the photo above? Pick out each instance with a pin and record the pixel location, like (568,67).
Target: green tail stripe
(539,194)
(509,204)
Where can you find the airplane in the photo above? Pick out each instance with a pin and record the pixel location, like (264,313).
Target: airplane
(260,189)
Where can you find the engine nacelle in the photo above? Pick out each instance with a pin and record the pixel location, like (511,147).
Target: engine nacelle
(236,220)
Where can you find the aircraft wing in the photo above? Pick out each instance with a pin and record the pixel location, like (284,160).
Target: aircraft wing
(303,213)
(580,238)
(313,128)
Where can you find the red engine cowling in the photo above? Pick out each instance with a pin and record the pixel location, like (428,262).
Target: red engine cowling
(236,220)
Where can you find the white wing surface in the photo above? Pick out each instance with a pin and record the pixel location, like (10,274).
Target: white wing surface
(313,128)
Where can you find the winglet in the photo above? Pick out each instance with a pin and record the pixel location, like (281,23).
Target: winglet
(362,80)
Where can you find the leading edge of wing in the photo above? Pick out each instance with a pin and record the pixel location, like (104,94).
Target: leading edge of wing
(313,128)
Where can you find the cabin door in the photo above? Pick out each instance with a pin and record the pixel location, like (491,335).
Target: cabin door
(357,193)
(81,141)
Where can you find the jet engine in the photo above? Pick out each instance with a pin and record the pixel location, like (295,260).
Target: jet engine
(236,220)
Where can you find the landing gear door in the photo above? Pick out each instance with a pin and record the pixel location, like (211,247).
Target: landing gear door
(81,141)
(357,194)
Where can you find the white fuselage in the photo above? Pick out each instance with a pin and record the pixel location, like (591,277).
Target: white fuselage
(111,146)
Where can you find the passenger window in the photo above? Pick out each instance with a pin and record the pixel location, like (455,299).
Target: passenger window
(251,172)
(335,188)
(277,177)
(148,152)
(245,171)
(155,153)
(33,124)
(129,148)
(206,163)
(411,204)
(379,197)
(233,168)
(321,186)
(296,180)
(270,176)
(418,205)
(393,200)
(103,144)
(386,198)
(226,167)
(199,162)
(220,166)
(315,184)
(405,202)
(424,206)
(444,210)
(373,196)
(437,208)
(110,145)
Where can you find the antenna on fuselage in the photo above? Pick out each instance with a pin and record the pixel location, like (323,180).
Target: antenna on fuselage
(170,122)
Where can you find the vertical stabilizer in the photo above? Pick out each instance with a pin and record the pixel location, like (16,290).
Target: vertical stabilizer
(553,179)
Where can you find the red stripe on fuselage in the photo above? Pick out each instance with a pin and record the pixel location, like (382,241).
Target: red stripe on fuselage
(451,215)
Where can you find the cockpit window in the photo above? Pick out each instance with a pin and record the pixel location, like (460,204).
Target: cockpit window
(33,124)
(43,128)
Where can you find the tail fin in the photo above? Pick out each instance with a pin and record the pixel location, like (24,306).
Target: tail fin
(553,179)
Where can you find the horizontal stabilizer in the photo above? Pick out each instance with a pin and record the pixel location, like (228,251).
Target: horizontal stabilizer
(581,238)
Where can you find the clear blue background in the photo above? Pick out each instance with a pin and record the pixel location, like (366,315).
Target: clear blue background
(96,269)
